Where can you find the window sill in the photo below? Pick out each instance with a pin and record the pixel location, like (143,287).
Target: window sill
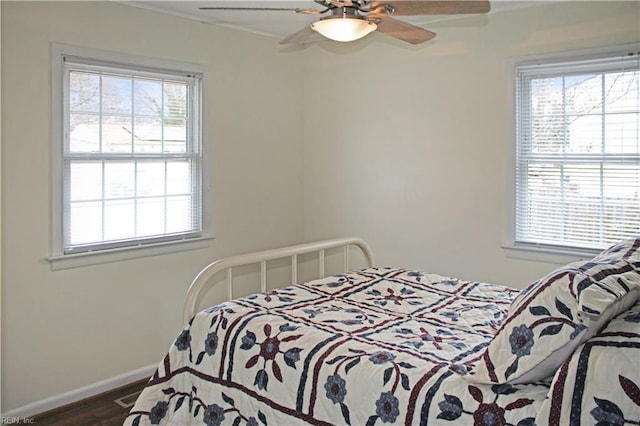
(546,254)
(71,261)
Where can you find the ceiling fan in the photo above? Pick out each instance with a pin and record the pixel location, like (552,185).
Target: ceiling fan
(349,20)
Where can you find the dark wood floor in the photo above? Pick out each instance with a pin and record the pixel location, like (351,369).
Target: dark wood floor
(99,410)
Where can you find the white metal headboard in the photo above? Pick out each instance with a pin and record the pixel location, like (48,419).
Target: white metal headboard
(199,284)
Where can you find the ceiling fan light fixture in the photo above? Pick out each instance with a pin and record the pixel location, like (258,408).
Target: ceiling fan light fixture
(344,29)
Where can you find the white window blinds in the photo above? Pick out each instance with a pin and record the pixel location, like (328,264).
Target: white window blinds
(131,156)
(578,151)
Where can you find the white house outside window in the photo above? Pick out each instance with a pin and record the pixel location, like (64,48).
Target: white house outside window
(578,151)
(131,157)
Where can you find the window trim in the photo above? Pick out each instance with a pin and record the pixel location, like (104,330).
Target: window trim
(58,259)
(532,251)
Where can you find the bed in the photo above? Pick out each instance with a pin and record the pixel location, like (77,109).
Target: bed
(387,345)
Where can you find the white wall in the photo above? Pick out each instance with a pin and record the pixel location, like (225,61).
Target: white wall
(67,329)
(411,147)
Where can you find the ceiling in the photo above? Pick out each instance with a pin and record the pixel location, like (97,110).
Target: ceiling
(277,24)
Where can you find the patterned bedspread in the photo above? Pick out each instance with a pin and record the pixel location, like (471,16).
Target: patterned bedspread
(375,346)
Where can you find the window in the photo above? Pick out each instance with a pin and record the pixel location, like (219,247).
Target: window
(128,169)
(578,151)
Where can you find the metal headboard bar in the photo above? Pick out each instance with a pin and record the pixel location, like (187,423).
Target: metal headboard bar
(201,282)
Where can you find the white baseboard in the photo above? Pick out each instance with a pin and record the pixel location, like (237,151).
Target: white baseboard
(75,395)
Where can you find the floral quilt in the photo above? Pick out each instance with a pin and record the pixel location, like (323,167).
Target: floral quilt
(376,346)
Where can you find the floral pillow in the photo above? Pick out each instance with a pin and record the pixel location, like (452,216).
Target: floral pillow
(600,382)
(628,250)
(551,317)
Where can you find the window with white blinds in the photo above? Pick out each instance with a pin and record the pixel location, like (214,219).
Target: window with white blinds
(578,151)
(131,156)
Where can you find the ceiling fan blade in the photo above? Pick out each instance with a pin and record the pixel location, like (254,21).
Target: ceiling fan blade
(401,30)
(305,35)
(432,7)
(294,10)
(341,3)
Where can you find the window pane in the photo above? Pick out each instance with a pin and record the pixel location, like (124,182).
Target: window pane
(119,179)
(622,183)
(548,134)
(116,133)
(84,133)
(178,177)
(175,100)
(85,223)
(546,96)
(583,94)
(175,136)
(150,218)
(150,179)
(179,214)
(148,134)
(175,114)
(622,92)
(119,219)
(620,221)
(543,180)
(147,97)
(584,134)
(622,133)
(117,95)
(85,181)
(622,201)
(84,92)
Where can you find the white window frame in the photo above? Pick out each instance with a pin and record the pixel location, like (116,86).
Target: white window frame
(61,260)
(539,251)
